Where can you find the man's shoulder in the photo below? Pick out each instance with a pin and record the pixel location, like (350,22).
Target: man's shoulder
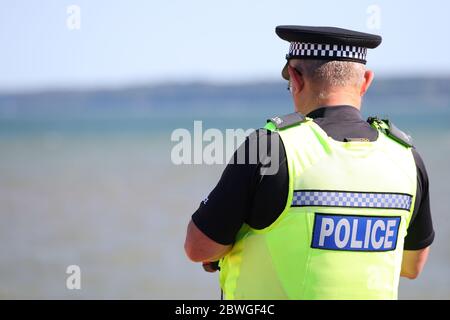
(285,121)
(387,127)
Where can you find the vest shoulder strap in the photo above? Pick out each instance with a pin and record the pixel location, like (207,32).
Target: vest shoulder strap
(288,120)
(389,129)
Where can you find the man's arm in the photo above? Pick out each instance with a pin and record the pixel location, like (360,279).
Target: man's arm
(200,248)
(420,230)
(413,262)
(213,228)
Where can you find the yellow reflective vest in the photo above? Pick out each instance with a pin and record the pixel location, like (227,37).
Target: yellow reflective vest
(342,231)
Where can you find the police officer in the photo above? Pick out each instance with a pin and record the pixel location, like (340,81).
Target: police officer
(346,213)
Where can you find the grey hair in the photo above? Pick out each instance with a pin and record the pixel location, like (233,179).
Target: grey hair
(331,73)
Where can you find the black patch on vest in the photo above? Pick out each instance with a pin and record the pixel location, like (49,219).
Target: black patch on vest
(393,132)
(287,120)
(356,140)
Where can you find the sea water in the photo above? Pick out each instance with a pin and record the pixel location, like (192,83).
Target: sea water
(99,190)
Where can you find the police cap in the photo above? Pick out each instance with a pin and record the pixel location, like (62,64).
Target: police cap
(326,43)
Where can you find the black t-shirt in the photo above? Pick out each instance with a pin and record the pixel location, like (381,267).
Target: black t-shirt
(244,195)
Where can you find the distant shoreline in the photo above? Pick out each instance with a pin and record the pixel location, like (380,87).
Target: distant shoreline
(164,85)
(385,96)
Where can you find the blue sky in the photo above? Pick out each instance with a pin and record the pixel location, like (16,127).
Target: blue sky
(147,41)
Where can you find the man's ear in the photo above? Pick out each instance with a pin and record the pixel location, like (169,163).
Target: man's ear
(296,78)
(368,78)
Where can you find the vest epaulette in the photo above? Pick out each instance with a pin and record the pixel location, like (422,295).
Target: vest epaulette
(287,120)
(391,131)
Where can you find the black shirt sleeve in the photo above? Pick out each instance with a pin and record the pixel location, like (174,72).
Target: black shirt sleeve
(420,231)
(244,193)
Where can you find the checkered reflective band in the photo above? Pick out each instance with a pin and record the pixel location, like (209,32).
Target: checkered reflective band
(318,198)
(325,51)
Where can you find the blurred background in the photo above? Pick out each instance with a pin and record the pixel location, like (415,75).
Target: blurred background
(91,91)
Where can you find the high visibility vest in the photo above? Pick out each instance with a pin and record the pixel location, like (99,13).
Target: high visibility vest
(342,231)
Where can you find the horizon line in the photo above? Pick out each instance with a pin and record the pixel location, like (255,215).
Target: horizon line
(152,84)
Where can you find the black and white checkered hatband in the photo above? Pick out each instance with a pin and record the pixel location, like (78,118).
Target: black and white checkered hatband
(326,52)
